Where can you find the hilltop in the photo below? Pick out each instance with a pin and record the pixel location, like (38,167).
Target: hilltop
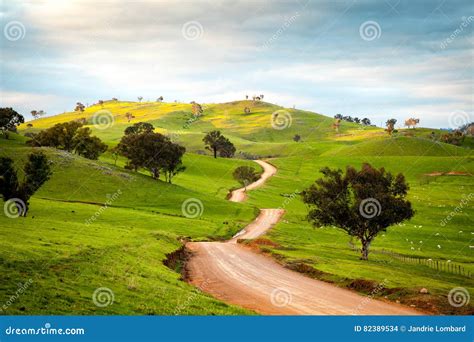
(255,133)
(68,257)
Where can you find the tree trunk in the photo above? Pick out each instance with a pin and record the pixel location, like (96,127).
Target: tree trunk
(365,249)
(215,152)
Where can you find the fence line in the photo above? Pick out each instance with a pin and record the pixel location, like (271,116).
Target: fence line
(439,265)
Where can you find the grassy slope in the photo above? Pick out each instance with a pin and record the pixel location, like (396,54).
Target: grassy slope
(124,249)
(143,211)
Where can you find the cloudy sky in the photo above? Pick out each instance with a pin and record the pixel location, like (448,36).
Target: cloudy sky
(379,59)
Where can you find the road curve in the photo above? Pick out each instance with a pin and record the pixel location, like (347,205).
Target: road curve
(237,275)
(240,195)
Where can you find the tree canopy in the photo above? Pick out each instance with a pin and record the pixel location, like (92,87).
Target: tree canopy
(153,152)
(362,203)
(9,120)
(36,172)
(245,175)
(217,143)
(72,137)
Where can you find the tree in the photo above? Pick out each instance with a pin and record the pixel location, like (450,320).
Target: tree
(390,125)
(366,122)
(362,203)
(338,116)
(36,114)
(129,116)
(196,109)
(140,98)
(87,146)
(36,172)
(245,175)
(152,151)
(79,107)
(411,122)
(357,120)
(348,118)
(101,103)
(216,142)
(71,137)
(9,120)
(160,99)
(172,160)
(226,149)
(297,137)
(139,127)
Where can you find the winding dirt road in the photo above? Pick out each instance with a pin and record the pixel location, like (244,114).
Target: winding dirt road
(240,195)
(239,276)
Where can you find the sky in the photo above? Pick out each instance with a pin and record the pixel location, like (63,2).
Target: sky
(375,59)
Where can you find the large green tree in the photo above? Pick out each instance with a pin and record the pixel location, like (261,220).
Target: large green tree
(217,143)
(72,137)
(245,175)
(35,173)
(154,152)
(363,202)
(9,120)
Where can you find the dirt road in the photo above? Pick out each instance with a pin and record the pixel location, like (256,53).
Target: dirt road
(240,195)
(239,276)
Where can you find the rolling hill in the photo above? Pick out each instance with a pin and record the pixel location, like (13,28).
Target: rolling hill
(67,258)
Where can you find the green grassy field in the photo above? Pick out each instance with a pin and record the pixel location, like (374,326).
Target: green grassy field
(124,249)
